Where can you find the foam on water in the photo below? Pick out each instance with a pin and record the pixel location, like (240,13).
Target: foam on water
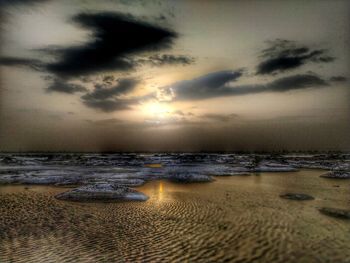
(134,169)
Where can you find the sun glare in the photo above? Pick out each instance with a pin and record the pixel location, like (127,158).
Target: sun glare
(158,110)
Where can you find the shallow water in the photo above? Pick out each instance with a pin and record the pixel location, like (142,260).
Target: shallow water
(234,219)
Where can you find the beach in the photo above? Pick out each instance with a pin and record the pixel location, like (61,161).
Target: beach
(232,219)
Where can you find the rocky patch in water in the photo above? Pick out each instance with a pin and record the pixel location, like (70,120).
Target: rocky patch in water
(337,175)
(102,192)
(297,196)
(335,212)
(189,178)
(132,170)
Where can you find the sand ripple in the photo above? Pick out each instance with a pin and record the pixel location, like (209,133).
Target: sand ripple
(192,223)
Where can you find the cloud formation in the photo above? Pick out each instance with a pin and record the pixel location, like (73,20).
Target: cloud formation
(5,3)
(219,84)
(115,37)
(285,55)
(107,99)
(219,117)
(21,62)
(102,91)
(167,59)
(207,86)
(59,85)
(338,79)
(114,41)
(108,105)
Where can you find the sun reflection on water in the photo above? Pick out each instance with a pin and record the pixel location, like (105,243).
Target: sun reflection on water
(160,191)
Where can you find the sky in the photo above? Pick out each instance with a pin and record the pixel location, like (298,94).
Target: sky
(137,75)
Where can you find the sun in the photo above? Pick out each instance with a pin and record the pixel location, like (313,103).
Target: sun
(158,109)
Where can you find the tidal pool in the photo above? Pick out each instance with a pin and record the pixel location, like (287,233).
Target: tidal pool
(233,219)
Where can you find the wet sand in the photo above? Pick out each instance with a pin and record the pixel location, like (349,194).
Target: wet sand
(233,219)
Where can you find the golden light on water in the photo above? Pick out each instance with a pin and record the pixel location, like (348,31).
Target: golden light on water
(160,191)
(154,165)
(160,187)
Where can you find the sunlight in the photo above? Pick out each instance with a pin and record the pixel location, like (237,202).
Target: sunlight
(160,187)
(160,191)
(158,110)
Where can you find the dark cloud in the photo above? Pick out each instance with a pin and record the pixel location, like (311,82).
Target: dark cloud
(338,79)
(102,91)
(167,59)
(5,3)
(108,105)
(59,85)
(21,62)
(114,103)
(203,87)
(285,55)
(219,117)
(115,37)
(295,82)
(217,85)
(107,98)
(108,79)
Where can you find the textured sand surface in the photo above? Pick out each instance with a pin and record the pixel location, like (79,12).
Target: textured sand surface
(233,219)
